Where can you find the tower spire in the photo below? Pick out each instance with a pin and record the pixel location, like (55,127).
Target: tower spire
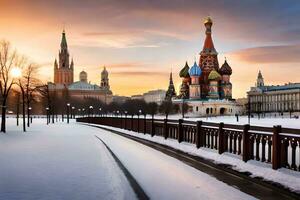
(208,46)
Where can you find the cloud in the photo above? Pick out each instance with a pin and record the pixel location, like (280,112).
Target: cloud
(269,54)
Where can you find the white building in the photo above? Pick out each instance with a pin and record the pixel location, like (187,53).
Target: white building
(274,98)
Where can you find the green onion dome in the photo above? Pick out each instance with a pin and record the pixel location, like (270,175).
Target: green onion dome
(214,75)
(184,72)
(225,69)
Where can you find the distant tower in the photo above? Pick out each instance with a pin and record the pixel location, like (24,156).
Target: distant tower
(195,90)
(260,80)
(208,57)
(83,77)
(63,71)
(171,89)
(104,85)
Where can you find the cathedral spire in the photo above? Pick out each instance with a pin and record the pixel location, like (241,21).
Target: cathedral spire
(208,46)
(171,89)
(63,43)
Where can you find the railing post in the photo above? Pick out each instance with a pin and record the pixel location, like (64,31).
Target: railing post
(145,124)
(166,128)
(221,138)
(199,141)
(276,147)
(180,130)
(152,127)
(245,138)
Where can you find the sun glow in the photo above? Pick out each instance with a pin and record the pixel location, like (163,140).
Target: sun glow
(16,72)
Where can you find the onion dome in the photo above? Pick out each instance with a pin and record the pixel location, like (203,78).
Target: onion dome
(225,69)
(214,75)
(208,20)
(184,72)
(195,70)
(83,76)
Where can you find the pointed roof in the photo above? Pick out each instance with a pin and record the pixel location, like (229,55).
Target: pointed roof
(208,46)
(259,75)
(213,75)
(225,69)
(195,70)
(63,43)
(184,72)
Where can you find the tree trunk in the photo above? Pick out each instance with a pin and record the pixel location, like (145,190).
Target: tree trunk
(23,109)
(28,116)
(3,116)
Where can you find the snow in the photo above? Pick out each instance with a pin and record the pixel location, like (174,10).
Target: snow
(58,162)
(67,161)
(288,178)
(268,121)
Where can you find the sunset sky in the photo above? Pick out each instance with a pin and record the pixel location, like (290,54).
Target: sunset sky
(140,41)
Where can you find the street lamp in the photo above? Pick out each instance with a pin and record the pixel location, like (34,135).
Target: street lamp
(125,113)
(47,110)
(29,116)
(73,113)
(68,110)
(91,110)
(83,112)
(100,114)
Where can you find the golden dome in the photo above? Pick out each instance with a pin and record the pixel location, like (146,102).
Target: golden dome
(208,20)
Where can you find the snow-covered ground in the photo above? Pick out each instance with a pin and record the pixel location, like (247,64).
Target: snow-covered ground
(286,177)
(67,161)
(58,162)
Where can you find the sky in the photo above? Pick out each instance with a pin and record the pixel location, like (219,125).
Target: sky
(142,41)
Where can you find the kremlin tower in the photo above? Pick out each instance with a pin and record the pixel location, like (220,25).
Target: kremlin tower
(63,71)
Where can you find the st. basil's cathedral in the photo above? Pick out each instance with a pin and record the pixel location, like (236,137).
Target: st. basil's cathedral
(205,87)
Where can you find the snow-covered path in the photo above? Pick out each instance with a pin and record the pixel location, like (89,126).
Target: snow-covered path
(58,162)
(164,177)
(68,162)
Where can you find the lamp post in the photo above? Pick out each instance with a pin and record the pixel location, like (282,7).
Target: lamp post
(125,113)
(83,109)
(91,111)
(47,111)
(100,114)
(73,113)
(68,112)
(29,117)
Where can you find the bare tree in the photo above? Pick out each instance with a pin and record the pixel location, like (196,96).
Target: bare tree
(31,83)
(8,58)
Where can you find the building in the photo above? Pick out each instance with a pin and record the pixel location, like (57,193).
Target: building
(206,87)
(274,98)
(64,79)
(156,96)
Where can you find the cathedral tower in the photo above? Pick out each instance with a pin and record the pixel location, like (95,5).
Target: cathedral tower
(104,85)
(208,57)
(171,89)
(63,70)
(260,80)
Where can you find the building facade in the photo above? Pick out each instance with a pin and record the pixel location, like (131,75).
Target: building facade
(274,98)
(82,89)
(206,87)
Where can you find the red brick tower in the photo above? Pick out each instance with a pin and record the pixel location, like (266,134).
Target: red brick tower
(208,58)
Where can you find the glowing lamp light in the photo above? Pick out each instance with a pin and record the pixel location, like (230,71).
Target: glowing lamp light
(16,72)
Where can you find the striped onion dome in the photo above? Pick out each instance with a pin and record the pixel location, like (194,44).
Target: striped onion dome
(195,70)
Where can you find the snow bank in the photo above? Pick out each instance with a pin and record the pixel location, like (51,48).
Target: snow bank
(285,177)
